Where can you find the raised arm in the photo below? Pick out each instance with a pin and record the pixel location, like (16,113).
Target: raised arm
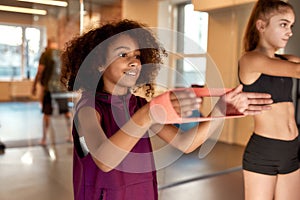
(252,64)
(292,58)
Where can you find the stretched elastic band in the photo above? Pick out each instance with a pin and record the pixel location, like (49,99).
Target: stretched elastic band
(163,112)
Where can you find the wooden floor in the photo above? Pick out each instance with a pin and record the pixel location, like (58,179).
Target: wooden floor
(29,171)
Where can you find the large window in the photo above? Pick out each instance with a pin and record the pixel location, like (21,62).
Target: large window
(20,48)
(192,46)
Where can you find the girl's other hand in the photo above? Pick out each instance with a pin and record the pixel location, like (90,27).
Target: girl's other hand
(238,102)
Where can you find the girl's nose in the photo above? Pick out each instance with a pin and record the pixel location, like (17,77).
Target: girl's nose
(133,63)
(290,33)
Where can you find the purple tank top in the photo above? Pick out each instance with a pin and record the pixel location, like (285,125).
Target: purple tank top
(135,177)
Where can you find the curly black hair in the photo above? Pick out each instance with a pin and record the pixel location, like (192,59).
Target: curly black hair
(83,55)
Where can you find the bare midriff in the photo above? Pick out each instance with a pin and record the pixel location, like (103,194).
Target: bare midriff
(277,123)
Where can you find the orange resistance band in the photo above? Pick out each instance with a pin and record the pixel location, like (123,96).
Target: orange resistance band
(163,112)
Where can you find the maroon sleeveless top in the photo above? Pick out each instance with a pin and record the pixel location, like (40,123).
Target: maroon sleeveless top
(135,177)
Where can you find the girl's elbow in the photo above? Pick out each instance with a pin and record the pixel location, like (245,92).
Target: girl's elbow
(189,150)
(106,169)
(102,167)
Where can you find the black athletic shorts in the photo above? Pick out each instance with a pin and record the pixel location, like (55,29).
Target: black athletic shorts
(271,156)
(47,108)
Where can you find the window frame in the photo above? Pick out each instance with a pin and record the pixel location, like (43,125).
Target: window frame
(23,72)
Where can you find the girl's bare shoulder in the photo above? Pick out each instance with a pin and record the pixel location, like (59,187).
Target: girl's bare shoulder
(252,59)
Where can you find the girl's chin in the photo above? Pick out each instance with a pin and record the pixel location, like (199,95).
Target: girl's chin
(127,84)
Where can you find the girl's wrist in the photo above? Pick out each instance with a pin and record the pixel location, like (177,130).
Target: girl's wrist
(219,109)
(145,117)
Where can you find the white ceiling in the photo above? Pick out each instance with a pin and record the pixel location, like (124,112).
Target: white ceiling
(25,4)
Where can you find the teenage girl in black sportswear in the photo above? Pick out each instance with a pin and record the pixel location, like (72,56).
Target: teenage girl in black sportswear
(270,164)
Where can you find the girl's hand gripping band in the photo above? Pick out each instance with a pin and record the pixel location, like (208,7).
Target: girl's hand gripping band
(162,110)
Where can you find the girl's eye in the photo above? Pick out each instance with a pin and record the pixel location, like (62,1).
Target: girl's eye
(283,25)
(123,55)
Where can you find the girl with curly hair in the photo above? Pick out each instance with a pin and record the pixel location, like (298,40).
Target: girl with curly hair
(113,156)
(270,162)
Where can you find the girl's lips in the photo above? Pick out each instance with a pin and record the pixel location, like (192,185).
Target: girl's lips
(132,73)
(286,40)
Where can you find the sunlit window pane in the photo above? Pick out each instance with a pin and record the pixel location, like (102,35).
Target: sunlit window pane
(32,47)
(10,51)
(195,27)
(11,35)
(192,45)
(20,51)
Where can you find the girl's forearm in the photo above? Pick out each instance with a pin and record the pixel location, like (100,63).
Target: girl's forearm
(113,150)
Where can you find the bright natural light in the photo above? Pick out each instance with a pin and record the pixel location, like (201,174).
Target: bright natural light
(196,25)
(11,35)
(19,48)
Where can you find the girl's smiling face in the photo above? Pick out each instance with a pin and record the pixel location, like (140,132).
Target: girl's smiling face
(123,65)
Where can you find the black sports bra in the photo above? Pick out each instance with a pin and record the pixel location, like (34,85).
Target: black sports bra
(279,87)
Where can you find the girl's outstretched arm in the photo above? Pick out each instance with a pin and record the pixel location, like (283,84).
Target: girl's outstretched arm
(109,152)
(233,103)
(253,63)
